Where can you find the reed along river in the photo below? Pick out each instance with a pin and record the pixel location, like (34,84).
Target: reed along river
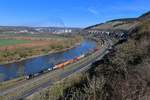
(37,64)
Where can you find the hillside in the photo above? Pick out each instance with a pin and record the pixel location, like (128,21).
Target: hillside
(145,16)
(121,24)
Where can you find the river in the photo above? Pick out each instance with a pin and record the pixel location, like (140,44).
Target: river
(37,64)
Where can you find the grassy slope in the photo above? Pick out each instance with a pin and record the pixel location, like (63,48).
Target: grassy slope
(120,24)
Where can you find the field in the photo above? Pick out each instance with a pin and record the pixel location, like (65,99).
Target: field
(15,48)
(7,42)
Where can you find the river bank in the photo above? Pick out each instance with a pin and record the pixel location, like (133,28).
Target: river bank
(40,55)
(17,55)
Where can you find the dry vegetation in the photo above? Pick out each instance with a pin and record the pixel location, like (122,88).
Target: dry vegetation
(17,52)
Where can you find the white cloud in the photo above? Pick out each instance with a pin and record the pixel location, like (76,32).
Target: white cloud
(93,11)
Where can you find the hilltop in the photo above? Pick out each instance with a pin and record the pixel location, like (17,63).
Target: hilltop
(145,16)
(125,24)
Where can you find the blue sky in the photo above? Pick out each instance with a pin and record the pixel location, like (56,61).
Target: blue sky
(70,13)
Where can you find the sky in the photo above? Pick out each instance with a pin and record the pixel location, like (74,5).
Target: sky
(68,13)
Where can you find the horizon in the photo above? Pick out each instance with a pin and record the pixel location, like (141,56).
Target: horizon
(40,26)
(68,13)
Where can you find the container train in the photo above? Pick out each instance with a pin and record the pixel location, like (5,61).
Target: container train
(58,66)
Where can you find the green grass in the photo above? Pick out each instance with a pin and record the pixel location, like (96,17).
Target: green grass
(7,42)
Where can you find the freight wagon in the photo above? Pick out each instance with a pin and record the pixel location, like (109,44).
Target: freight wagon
(62,65)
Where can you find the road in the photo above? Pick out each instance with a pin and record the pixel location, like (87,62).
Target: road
(28,87)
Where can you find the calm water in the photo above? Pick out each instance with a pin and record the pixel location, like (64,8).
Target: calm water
(35,65)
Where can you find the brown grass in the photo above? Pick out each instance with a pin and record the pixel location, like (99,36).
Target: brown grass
(36,47)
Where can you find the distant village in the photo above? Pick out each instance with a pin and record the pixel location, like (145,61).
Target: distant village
(38,30)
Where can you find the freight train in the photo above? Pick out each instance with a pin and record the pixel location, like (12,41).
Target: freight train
(58,66)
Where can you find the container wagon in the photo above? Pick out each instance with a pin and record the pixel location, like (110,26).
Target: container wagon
(57,66)
(62,65)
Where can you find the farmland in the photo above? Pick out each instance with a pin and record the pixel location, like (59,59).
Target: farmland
(16,48)
(7,42)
